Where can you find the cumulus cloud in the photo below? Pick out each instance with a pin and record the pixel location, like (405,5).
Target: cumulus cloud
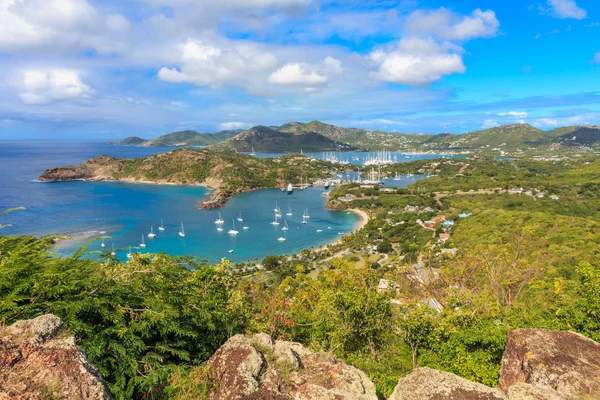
(26,23)
(117,22)
(297,74)
(446,25)
(489,123)
(417,62)
(566,9)
(305,75)
(213,63)
(431,50)
(41,87)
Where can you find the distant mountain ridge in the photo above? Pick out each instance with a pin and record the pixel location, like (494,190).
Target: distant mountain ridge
(180,138)
(269,140)
(317,136)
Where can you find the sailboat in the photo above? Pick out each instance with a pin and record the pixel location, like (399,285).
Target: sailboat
(151,235)
(289,213)
(290,188)
(129,255)
(253,153)
(246,228)
(281,239)
(182,232)
(233,231)
(276,207)
(306,216)
(319,230)
(285,228)
(219,220)
(276,222)
(240,217)
(113,253)
(102,244)
(162,225)
(142,245)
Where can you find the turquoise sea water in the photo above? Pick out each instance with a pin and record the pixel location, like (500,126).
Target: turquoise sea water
(125,211)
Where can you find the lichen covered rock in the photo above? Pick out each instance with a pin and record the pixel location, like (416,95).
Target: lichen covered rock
(431,384)
(39,360)
(260,368)
(563,362)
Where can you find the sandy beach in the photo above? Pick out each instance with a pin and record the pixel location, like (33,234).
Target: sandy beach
(364,219)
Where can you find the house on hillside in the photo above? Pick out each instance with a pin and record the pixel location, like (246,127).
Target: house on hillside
(448,223)
(411,209)
(444,237)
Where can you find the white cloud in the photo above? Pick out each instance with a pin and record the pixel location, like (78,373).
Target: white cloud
(228,126)
(298,74)
(41,87)
(490,123)
(417,62)
(566,9)
(597,58)
(446,25)
(563,121)
(117,22)
(26,23)
(216,62)
(516,114)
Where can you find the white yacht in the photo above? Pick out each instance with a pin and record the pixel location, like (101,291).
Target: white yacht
(306,216)
(289,213)
(233,231)
(290,188)
(129,255)
(319,230)
(285,227)
(113,253)
(240,217)
(281,239)
(253,153)
(142,245)
(219,220)
(151,235)
(162,225)
(276,222)
(182,231)
(245,228)
(102,244)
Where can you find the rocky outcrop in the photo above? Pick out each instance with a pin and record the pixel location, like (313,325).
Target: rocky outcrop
(39,360)
(96,169)
(563,362)
(261,368)
(431,384)
(216,200)
(537,364)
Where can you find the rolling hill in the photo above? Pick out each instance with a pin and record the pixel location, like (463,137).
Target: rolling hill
(269,140)
(179,139)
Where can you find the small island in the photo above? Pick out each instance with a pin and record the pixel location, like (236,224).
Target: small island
(226,172)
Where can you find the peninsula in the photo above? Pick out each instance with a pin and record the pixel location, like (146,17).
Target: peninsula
(226,172)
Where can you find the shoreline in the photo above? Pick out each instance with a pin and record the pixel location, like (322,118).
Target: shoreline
(364,220)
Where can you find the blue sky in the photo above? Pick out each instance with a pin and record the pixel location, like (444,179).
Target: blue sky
(91,69)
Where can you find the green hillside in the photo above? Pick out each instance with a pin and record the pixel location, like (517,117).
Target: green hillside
(191,138)
(268,140)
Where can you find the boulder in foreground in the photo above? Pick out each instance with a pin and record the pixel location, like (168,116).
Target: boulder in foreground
(261,368)
(38,360)
(563,362)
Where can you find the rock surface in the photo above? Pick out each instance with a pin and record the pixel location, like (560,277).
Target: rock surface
(431,384)
(260,368)
(38,360)
(565,362)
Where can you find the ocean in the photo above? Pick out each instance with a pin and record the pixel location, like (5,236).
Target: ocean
(124,212)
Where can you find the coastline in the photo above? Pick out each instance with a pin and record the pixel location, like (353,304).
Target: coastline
(364,220)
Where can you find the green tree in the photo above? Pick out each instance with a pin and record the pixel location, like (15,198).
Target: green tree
(416,324)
